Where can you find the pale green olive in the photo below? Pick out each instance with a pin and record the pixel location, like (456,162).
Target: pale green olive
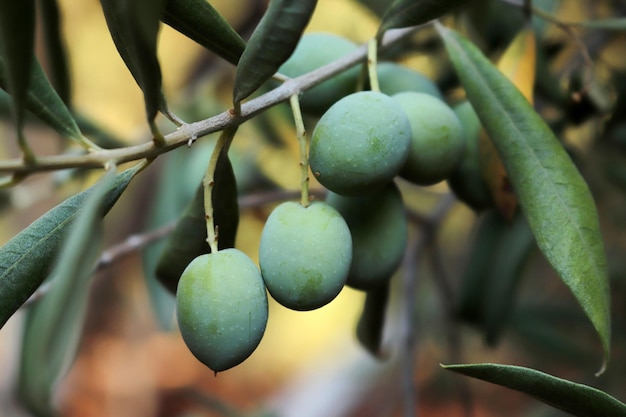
(305,254)
(222,308)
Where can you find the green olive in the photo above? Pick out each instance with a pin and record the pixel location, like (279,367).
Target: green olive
(467,181)
(360,143)
(378,225)
(222,308)
(395,78)
(437,141)
(305,254)
(314,51)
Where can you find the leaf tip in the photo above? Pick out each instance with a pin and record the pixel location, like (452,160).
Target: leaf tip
(602,369)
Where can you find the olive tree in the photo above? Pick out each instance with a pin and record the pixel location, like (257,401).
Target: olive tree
(489,132)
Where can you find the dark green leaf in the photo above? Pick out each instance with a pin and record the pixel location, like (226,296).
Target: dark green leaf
(43,101)
(476,278)
(134,27)
(369,329)
(54,324)
(26,259)
(198,20)
(171,198)
(577,399)
(17,34)
(55,48)
(271,43)
(189,237)
(405,13)
(509,258)
(554,197)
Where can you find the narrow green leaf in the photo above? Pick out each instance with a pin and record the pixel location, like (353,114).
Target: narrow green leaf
(44,102)
(199,21)
(17,35)
(26,259)
(171,198)
(405,13)
(55,48)
(577,399)
(271,43)
(553,195)
(509,259)
(370,327)
(54,324)
(618,23)
(189,237)
(134,27)
(476,277)
(186,242)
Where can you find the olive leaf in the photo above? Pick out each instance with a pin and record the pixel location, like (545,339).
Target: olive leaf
(43,101)
(509,259)
(17,37)
(405,13)
(553,195)
(476,277)
(170,200)
(577,399)
(134,27)
(518,63)
(198,20)
(189,238)
(56,56)
(370,327)
(270,45)
(26,259)
(53,325)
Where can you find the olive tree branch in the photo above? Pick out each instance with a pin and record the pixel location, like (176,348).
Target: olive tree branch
(188,133)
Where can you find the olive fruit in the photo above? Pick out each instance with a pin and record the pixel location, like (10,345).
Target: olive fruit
(378,225)
(305,254)
(222,308)
(312,52)
(437,141)
(467,181)
(360,143)
(395,78)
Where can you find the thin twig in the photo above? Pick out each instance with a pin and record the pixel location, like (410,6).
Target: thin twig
(409,332)
(188,133)
(429,225)
(447,296)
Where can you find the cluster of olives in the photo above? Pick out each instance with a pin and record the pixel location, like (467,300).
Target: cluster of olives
(357,236)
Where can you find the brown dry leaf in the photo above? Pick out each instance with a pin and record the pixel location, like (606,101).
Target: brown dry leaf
(518,64)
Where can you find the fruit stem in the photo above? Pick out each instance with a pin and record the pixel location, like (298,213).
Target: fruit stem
(304,158)
(221,146)
(28,154)
(372,52)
